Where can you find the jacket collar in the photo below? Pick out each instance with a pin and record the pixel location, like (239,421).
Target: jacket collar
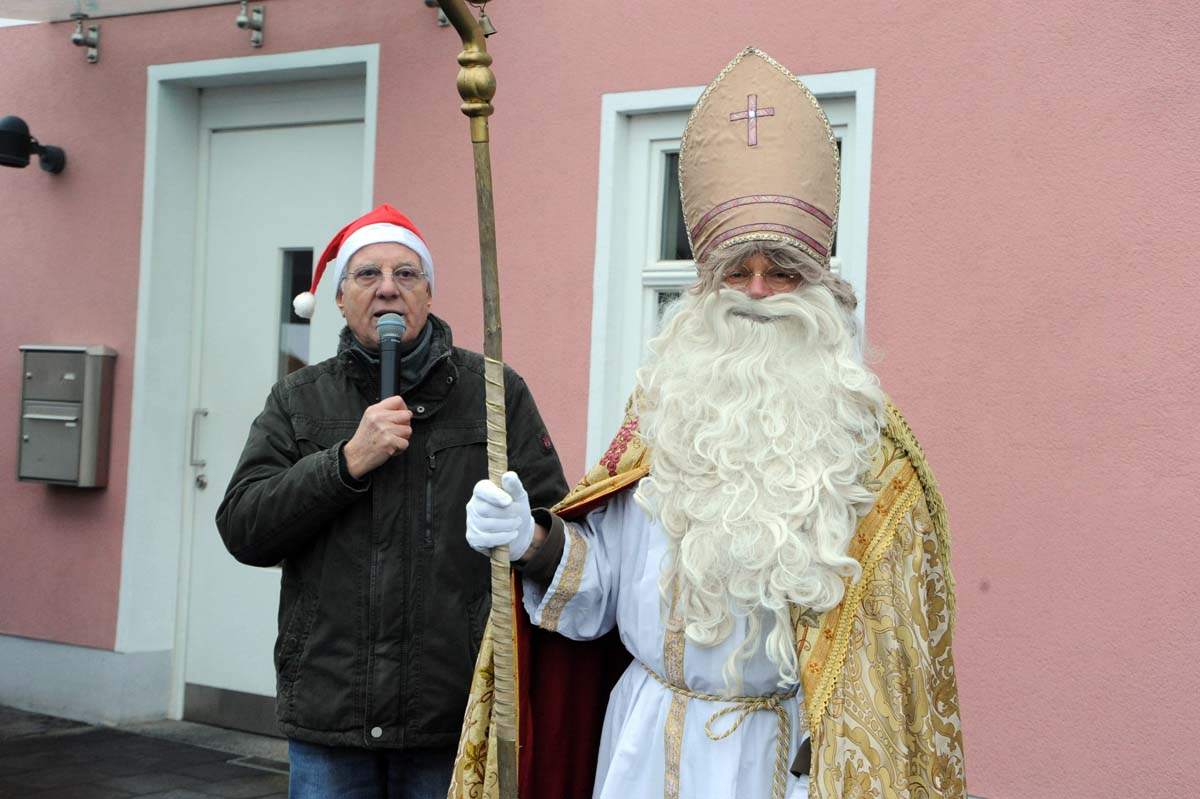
(432,381)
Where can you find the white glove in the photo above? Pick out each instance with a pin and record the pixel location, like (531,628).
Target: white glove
(496,517)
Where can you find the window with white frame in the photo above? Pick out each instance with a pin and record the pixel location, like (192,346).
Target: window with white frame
(643,261)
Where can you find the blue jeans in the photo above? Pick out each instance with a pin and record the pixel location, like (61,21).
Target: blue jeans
(340,772)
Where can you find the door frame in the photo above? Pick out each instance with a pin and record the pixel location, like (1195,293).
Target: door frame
(156,564)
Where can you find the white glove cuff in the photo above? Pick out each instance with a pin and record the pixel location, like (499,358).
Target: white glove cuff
(520,544)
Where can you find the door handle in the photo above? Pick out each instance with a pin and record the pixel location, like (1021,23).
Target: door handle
(196,416)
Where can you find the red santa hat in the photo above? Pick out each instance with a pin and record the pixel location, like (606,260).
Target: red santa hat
(384,224)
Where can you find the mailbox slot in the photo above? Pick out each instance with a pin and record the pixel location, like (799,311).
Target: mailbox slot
(66,414)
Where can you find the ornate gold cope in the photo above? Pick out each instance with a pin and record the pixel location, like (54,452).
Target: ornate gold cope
(880,692)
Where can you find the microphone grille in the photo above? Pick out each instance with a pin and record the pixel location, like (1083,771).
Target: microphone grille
(391,324)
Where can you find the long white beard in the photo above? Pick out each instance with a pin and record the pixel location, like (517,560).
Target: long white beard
(762,420)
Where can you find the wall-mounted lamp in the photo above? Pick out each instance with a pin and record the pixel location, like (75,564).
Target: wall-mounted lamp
(90,40)
(252,19)
(16,145)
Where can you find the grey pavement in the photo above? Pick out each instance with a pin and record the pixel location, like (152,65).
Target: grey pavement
(54,758)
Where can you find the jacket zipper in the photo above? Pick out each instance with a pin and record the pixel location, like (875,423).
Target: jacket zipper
(429,499)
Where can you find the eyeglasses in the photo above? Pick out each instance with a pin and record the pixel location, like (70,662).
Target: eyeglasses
(777,279)
(403,276)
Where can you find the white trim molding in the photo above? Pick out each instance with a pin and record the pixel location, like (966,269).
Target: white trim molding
(77,682)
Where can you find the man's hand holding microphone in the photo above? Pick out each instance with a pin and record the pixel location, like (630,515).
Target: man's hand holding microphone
(386,426)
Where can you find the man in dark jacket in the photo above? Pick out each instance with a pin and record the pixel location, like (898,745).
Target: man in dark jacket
(361,501)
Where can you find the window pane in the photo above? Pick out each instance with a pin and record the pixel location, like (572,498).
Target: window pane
(665,297)
(674,233)
(293,332)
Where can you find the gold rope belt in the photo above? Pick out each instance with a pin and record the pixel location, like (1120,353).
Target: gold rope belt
(744,706)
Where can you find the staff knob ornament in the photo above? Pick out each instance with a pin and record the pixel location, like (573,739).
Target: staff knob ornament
(476,82)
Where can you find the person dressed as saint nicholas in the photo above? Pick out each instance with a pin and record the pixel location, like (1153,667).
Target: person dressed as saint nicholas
(764,538)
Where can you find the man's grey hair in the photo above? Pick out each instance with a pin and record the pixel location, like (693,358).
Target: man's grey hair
(785,256)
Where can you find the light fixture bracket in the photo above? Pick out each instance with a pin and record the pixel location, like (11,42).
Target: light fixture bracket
(253,20)
(442,20)
(90,39)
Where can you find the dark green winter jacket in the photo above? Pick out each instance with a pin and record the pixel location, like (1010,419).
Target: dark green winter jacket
(382,604)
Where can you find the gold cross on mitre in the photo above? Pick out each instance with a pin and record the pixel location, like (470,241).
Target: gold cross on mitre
(751,115)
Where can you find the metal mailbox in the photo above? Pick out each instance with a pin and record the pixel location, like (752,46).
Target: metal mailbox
(66,414)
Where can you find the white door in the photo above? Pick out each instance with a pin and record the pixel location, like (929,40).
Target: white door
(271,197)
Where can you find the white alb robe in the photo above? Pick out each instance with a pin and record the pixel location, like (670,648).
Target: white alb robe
(609,575)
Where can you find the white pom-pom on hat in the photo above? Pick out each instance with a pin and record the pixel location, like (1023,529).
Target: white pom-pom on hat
(304,304)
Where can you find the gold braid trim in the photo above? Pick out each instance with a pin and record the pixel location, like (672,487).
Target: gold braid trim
(568,583)
(854,596)
(899,431)
(673,745)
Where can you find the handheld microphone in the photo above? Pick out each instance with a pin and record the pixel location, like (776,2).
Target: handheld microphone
(391,327)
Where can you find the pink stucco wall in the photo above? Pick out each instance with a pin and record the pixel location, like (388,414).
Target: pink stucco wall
(1031,285)
(70,254)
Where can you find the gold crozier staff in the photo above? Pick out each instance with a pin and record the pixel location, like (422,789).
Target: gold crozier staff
(477,86)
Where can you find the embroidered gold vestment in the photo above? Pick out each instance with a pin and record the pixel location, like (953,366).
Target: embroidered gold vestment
(877,671)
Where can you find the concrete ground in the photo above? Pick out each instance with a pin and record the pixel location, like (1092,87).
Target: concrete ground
(54,758)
